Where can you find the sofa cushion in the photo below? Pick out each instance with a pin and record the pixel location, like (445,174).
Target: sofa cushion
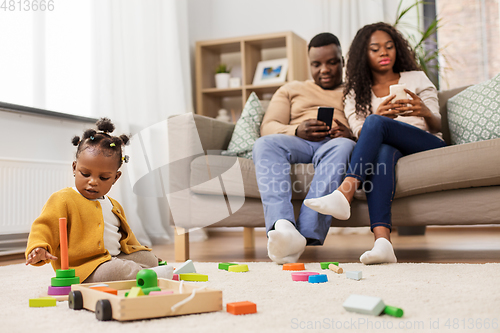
(474,114)
(247,129)
(207,167)
(454,167)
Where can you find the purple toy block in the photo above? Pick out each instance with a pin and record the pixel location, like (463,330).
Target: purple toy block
(59,290)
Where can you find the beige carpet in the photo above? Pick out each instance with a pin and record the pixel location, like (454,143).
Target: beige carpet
(435,298)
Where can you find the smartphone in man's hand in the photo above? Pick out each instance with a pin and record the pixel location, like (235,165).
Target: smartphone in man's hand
(325,114)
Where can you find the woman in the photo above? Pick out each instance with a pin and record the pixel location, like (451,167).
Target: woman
(387,129)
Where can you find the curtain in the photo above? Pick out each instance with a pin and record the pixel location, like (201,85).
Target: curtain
(141,76)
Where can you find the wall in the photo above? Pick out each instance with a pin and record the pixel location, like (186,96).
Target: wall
(215,19)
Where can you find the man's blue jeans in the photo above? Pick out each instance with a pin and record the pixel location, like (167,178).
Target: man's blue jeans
(273,156)
(382,142)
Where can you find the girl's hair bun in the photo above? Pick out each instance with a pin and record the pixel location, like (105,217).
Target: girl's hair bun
(105,125)
(76,140)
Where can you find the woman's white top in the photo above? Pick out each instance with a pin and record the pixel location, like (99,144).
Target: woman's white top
(417,82)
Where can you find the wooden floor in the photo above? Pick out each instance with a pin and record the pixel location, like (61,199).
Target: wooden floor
(471,244)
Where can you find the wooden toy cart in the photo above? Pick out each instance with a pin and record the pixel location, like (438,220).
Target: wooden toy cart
(108,306)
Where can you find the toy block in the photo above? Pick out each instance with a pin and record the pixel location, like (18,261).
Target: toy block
(393,311)
(364,304)
(147,291)
(175,277)
(64,282)
(63,243)
(106,290)
(187,267)
(162,263)
(324,265)
(161,292)
(320,278)
(225,265)
(65,273)
(42,302)
(336,269)
(134,292)
(239,308)
(146,278)
(302,276)
(238,268)
(297,266)
(355,275)
(193,277)
(59,290)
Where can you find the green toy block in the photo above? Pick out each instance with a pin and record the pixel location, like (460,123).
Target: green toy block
(225,265)
(65,273)
(324,265)
(42,302)
(64,282)
(193,277)
(393,311)
(135,292)
(146,278)
(238,268)
(162,263)
(146,291)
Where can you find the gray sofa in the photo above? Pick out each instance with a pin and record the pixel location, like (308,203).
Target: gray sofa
(456,185)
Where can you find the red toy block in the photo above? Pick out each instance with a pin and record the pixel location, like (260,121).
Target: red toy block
(239,308)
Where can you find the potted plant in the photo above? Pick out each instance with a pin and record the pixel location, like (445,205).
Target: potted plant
(222,76)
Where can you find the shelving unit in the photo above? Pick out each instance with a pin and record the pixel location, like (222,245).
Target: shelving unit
(243,54)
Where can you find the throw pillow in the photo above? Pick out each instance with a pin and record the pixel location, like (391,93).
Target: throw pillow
(474,113)
(247,129)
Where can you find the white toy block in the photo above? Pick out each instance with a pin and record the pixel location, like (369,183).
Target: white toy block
(187,267)
(364,304)
(355,275)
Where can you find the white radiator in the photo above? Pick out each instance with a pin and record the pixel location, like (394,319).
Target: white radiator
(25,186)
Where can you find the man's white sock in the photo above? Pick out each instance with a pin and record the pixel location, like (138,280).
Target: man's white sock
(382,252)
(285,244)
(334,204)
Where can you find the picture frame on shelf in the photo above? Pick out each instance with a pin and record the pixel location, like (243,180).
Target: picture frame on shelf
(270,71)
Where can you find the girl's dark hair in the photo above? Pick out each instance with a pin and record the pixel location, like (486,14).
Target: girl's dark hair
(100,139)
(358,73)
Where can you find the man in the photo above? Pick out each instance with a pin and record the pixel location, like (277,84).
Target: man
(291,134)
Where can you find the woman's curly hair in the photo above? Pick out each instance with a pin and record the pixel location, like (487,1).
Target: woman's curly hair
(359,78)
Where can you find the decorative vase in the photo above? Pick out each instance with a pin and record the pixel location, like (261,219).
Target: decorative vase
(222,80)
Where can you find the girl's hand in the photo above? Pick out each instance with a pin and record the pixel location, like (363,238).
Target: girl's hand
(388,109)
(414,107)
(39,254)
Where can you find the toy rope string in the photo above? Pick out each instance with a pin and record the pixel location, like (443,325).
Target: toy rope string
(187,299)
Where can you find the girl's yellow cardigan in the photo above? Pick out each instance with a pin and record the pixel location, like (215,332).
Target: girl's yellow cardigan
(85,232)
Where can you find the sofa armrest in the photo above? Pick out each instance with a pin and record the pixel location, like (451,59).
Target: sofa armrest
(214,134)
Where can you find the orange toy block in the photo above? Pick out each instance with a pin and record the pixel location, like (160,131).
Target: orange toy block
(297,266)
(239,308)
(63,241)
(106,290)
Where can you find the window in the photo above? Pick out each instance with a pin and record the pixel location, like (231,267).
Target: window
(470,34)
(45,56)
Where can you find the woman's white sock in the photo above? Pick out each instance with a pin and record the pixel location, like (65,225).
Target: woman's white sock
(285,244)
(382,252)
(334,204)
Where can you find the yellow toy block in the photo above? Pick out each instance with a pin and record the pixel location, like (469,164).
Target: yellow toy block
(238,268)
(193,277)
(42,302)
(135,292)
